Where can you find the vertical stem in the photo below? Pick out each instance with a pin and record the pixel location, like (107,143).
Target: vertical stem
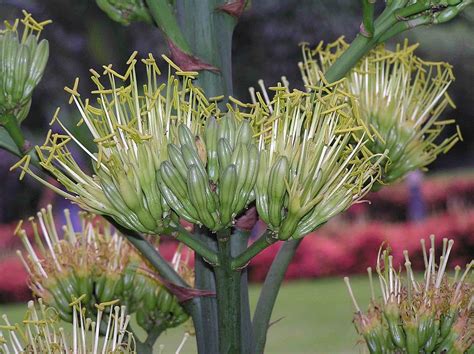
(239,242)
(209,34)
(205,279)
(270,289)
(228,283)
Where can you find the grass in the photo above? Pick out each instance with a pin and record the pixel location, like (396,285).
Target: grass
(316,317)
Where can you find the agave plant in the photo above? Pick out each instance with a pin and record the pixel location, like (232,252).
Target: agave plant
(181,156)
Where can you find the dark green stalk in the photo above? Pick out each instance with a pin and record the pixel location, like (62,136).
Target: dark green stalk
(270,289)
(209,33)
(239,242)
(152,336)
(163,14)
(205,280)
(255,248)
(228,282)
(361,45)
(368,7)
(197,245)
(150,253)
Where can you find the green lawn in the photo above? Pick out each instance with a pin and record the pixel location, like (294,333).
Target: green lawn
(316,318)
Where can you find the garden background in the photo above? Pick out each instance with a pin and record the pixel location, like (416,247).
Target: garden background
(266,46)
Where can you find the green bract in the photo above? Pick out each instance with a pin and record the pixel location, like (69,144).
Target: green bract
(399,99)
(22,62)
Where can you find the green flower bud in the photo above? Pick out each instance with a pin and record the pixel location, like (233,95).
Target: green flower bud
(22,62)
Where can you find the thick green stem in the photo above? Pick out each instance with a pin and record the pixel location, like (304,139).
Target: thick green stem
(207,321)
(228,283)
(361,45)
(198,246)
(152,336)
(209,33)
(255,248)
(239,242)
(270,289)
(11,125)
(163,14)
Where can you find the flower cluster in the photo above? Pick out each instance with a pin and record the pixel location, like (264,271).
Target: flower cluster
(432,315)
(40,331)
(313,164)
(399,99)
(22,63)
(96,265)
(165,151)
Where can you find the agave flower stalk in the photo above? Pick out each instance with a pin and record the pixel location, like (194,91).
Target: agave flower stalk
(399,98)
(41,331)
(97,265)
(431,315)
(22,63)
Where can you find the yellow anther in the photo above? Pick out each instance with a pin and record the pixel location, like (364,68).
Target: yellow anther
(73,91)
(170,63)
(132,57)
(55,116)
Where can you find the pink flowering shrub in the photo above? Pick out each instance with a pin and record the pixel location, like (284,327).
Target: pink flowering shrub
(353,248)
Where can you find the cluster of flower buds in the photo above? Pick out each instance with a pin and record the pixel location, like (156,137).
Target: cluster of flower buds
(399,99)
(96,265)
(433,315)
(40,331)
(313,163)
(209,182)
(125,11)
(22,64)
(166,152)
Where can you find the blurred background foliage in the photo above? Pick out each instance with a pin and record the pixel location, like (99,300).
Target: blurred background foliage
(266,46)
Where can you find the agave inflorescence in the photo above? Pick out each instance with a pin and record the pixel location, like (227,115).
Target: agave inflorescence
(22,62)
(399,98)
(434,315)
(131,128)
(97,265)
(40,331)
(313,162)
(165,151)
